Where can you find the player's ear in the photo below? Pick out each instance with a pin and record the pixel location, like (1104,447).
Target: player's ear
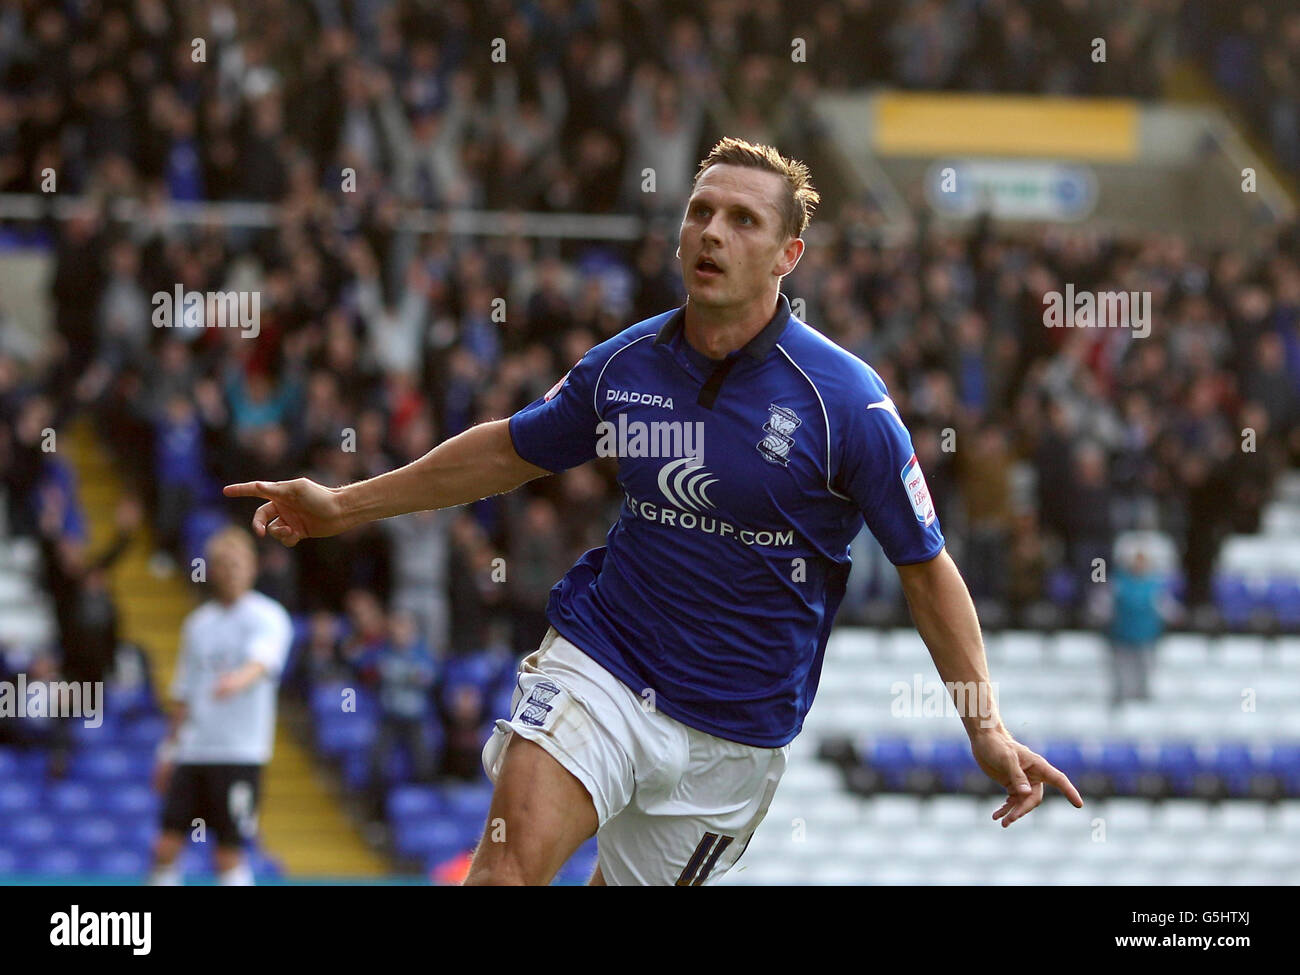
(790,256)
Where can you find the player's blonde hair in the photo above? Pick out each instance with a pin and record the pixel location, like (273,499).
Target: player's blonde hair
(801,199)
(230,536)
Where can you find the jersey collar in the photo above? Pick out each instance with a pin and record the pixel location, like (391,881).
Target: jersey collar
(756,348)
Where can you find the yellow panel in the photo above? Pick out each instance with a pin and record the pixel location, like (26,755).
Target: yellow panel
(1006,125)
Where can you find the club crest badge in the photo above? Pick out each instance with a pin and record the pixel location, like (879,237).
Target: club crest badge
(780,427)
(538,705)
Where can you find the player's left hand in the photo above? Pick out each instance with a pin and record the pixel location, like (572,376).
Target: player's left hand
(1019,770)
(228,684)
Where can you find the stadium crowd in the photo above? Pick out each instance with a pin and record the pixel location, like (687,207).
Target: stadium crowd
(376,342)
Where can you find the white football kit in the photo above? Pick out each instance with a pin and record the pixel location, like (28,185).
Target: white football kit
(216,639)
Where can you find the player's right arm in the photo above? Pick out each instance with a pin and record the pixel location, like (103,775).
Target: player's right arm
(476,464)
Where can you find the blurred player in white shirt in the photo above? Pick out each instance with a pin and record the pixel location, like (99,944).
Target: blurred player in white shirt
(232,651)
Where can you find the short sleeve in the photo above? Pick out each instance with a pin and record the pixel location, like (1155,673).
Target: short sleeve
(559,430)
(880,472)
(270,643)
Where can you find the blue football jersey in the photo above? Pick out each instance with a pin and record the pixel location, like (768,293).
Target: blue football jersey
(744,480)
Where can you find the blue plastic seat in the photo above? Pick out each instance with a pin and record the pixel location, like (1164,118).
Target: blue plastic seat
(1066,756)
(409,802)
(467,800)
(1120,760)
(30,830)
(952,759)
(893,758)
(1235,764)
(121,863)
(92,833)
(1178,761)
(128,799)
(127,700)
(137,834)
(143,730)
(72,798)
(18,797)
(420,839)
(1284,598)
(59,861)
(1234,599)
(327,700)
(469,668)
(109,765)
(343,733)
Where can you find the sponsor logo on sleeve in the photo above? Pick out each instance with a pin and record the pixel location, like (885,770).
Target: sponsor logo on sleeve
(556,388)
(917,491)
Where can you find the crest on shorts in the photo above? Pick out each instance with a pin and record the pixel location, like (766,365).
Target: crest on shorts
(780,428)
(538,705)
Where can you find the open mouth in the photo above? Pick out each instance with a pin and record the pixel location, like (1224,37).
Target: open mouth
(707,268)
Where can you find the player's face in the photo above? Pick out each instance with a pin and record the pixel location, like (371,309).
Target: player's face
(232,568)
(734,220)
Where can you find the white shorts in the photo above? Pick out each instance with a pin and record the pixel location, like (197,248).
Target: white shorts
(675,805)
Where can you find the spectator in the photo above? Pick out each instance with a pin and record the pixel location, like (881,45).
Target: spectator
(405,674)
(1139,609)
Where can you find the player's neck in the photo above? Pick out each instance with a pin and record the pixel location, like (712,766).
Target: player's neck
(718,332)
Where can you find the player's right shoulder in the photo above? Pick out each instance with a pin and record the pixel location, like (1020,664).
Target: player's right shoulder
(632,335)
(593,368)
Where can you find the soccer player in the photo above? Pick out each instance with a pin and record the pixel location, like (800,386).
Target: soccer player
(233,648)
(683,655)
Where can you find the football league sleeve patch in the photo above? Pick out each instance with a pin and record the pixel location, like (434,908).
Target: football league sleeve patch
(882,474)
(559,430)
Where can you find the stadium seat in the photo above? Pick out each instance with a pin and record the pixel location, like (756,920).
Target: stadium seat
(470,800)
(60,862)
(145,730)
(1235,763)
(121,863)
(344,733)
(1185,816)
(131,801)
(18,797)
(1179,762)
(409,802)
(32,830)
(440,837)
(110,765)
(72,798)
(893,758)
(327,700)
(1078,650)
(92,833)
(952,759)
(1244,819)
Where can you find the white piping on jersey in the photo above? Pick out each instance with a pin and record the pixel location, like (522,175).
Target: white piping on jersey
(825,417)
(595,391)
(888,406)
